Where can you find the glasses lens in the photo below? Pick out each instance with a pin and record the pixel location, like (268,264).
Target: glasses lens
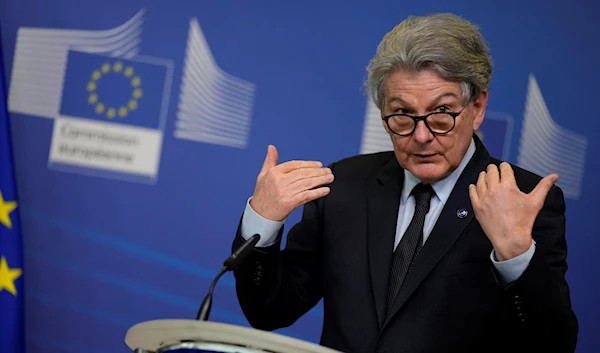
(401,124)
(440,122)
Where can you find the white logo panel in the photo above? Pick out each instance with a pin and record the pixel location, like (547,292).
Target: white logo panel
(215,107)
(41,57)
(374,138)
(547,148)
(108,146)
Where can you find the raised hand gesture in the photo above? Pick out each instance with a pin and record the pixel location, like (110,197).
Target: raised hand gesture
(280,189)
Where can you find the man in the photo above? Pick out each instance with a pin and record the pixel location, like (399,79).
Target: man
(434,247)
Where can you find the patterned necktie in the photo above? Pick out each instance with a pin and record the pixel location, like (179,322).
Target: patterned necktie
(411,242)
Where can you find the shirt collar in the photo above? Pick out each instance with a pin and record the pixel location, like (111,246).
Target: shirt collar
(443,187)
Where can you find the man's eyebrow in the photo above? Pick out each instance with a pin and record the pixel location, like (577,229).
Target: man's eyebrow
(442,96)
(435,101)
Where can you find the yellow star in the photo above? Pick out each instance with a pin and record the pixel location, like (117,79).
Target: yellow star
(132,104)
(137,93)
(128,71)
(8,277)
(6,207)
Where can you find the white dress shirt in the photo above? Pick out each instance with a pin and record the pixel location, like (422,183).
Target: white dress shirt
(508,270)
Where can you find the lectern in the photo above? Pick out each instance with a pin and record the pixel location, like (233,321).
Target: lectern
(193,336)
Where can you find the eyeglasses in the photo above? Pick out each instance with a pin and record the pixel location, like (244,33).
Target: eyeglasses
(437,122)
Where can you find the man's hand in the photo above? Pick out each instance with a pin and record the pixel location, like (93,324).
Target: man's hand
(505,213)
(280,189)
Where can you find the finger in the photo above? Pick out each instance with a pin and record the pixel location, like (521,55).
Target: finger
(270,159)
(310,195)
(481,184)
(492,177)
(293,165)
(309,183)
(474,196)
(543,187)
(304,173)
(507,175)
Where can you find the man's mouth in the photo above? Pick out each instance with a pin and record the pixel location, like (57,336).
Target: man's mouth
(425,156)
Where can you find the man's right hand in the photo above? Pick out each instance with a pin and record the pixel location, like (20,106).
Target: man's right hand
(280,189)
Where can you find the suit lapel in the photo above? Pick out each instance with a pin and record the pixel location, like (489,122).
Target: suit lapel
(447,229)
(383,201)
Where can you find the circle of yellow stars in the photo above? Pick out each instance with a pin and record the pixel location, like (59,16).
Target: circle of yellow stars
(110,111)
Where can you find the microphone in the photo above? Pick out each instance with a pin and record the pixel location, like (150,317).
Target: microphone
(230,264)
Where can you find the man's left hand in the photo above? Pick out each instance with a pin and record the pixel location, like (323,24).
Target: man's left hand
(505,213)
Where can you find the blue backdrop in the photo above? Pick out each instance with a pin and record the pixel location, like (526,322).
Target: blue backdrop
(139,128)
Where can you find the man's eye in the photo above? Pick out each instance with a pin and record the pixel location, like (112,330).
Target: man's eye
(443,109)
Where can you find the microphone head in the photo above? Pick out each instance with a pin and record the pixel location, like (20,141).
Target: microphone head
(240,254)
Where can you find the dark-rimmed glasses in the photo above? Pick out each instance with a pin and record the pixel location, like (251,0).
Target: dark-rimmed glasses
(437,122)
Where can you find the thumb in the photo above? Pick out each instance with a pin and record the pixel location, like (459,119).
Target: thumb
(543,187)
(271,158)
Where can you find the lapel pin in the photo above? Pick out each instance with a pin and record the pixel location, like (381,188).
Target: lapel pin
(462,213)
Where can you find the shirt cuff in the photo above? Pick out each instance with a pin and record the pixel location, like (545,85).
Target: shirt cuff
(511,269)
(253,223)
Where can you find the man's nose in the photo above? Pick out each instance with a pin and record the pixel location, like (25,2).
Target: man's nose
(422,133)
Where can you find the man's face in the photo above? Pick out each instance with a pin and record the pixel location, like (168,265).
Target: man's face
(431,157)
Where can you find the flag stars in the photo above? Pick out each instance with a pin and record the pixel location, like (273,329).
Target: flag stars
(137,93)
(118,66)
(128,71)
(6,207)
(132,104)
(8,276)
(100,106)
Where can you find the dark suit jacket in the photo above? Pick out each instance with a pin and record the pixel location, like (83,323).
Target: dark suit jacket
(342,248)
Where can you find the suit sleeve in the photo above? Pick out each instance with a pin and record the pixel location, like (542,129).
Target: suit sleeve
(275,287)
(539,301)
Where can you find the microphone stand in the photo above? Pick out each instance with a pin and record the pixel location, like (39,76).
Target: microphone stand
(230,264)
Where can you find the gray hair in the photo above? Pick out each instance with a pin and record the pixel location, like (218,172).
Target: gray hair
(444,43)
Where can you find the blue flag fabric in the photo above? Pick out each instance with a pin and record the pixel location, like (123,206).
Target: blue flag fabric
(11,254)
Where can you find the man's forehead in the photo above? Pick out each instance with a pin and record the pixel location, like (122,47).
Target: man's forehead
(407,98)
(405,85)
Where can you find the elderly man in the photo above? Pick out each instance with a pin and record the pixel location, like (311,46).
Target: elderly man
(434,247)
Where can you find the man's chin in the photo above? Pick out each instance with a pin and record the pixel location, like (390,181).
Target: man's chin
(428,173)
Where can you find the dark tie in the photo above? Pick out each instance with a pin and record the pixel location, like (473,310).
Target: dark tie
(411,242)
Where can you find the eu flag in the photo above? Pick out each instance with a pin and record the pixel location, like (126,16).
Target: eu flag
(11,256)
(114,90)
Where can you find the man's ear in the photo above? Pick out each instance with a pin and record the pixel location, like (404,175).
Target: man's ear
(479,105)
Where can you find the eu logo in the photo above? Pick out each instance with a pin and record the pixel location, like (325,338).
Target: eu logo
(113,90)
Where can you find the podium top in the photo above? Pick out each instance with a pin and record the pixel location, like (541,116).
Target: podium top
(153,335)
